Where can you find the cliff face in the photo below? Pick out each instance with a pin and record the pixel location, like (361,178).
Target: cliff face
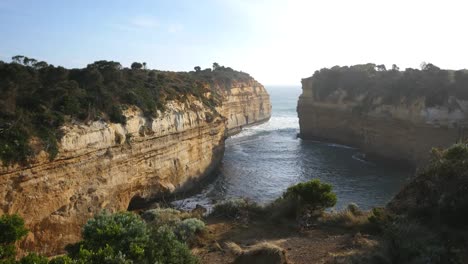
(404,131)
(113,167)
(245,104)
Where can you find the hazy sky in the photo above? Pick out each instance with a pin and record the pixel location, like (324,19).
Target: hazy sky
(277,42)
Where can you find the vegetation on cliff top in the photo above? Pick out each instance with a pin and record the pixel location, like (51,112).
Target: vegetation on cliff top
(37,98)
(437,195)
(426,221)
(393,86)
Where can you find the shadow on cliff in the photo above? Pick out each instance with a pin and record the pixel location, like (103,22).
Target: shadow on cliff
(191,187)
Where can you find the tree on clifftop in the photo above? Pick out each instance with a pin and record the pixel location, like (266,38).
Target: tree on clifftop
(381,67)
(136,66)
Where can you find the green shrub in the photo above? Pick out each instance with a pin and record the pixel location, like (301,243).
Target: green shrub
(124,232)
(312,194)
(12,229)
(437,194)
(7,252)
(164,216)
(105,255)
(184,226)
(116,115)
(185,230)
(407,241)
(354,209)
(62,260)
(8,261)
(311,197)
(456,152)
(164,247)
(379,219)
(14,145)
(33,258)
(237,208)
(123,238)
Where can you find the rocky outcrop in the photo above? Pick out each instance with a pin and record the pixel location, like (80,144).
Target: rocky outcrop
(107,166)
(405,131)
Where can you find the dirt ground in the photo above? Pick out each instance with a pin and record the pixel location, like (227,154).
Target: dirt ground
(314,245)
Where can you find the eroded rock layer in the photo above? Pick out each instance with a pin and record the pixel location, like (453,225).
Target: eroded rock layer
(106,166)
(405,131)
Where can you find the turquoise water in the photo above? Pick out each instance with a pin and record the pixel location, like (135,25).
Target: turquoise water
(262,161)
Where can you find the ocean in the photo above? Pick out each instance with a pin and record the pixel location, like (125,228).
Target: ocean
(262,161)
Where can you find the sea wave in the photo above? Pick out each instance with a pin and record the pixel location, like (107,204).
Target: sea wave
(275,123)
(333,145)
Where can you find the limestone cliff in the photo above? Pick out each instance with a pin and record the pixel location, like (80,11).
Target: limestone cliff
(111,166)
(405,130)
(245,104)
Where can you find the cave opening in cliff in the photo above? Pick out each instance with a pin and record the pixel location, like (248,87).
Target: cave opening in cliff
(137,203)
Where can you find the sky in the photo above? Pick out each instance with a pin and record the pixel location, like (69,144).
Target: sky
(278,42)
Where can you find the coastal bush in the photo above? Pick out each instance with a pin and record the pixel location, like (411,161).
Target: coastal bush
(237,208)
(12,229)
(312,194)
(307,198)
(380,218)
(164,247)
(62,260)
(33,258)
(408,241)
(14,145)
(354,209)
(164,216)
(104,255)
(437,194)
(186,230)
(182,224)
(123,232)
(123,238)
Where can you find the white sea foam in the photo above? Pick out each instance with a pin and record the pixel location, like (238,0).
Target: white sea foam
(276,123)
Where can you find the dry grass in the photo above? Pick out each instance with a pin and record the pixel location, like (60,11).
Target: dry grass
(264,252)
(348,218)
